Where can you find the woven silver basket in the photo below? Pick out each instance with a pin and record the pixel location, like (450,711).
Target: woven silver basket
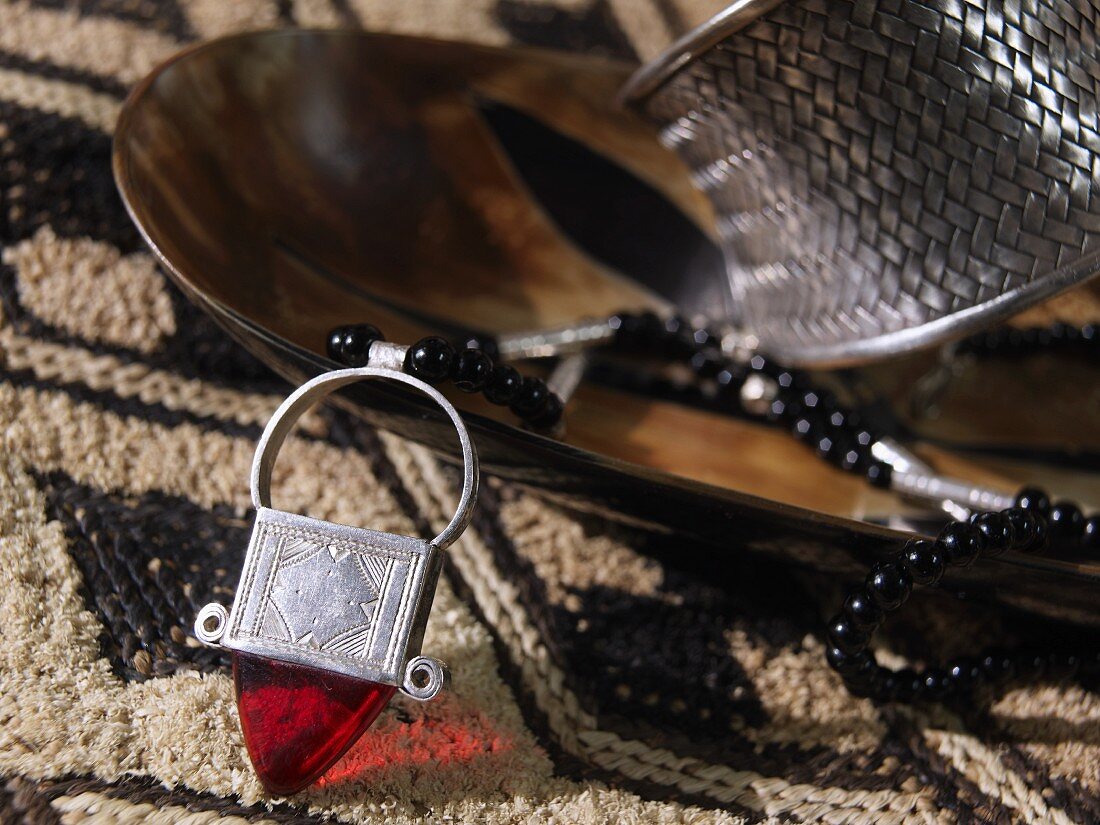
(888,173)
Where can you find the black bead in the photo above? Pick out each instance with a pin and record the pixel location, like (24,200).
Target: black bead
(889,585)
(807,428)
(908,685)
(1062,665)
(531,399)
(923,561)
(357,341)
(1090,532)
(1042,535)
(935,686)
(964,674)
(863,610)
(551,414)
(1035,500)
(878,473)
(1066,521)
(844,634)
(503,384)
(334,346)
(997,531)
(472,369)
(650,331)
(998,667)
(861,679)
(626,327)
(1030,666)
(843,663)
(706,364)
(485,343)
(430,359)
(730,378)
(960,543)
(1024,527)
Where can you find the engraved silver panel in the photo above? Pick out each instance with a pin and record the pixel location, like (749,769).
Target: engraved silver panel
(330,596)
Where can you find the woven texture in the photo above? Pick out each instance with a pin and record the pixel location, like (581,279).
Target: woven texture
(594,680)
(878,164)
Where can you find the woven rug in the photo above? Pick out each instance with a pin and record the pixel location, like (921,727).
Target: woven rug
(594,680)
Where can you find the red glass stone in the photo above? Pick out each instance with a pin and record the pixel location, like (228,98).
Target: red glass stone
(297,720)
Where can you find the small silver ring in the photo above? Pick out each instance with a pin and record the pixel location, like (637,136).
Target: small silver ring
(217,617)
(436,673)
(316,389)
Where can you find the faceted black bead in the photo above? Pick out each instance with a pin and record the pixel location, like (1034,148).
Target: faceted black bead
(843,663)
(1090,532)
(334,346)
(730,378)
(702,338)
(1066,521)
(531,399)
(935,686)
(844,634)
(758,363)
(889,585)
(357,341)
(964,674)
(1024,527)
(879,473)
(998,667)
(861,679)
(923,561)
(996,530)
(651,331)
(485,343)
(430,359)
(784,408)
(503,384)
(551,414)
(1035,500)
(960,543)
(472,369)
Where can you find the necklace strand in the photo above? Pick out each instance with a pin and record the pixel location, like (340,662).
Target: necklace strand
(839,436)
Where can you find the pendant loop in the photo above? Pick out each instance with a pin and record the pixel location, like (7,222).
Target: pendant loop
(315,390)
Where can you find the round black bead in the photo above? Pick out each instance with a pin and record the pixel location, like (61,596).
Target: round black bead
(1031,666)
(334,346)
(1042,535)
(998,667)
(1024,527)
(485,343)
(889,585)
(1066,521)
(357,341)
(908,685)
(706,364)
(472,369)
(878,473)
(863,610)
(960,543)
(996,530)
(551,414)
(844,634)
(531,399)
(626,327)
(503,384)
(935,685)
(1090,532)
(923,561)
(1062,665)
(1035,500)
(430,359)
(964,675)
(846,664)
(807,428)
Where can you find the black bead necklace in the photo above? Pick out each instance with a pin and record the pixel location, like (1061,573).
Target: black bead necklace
(838,435)
(472,370)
